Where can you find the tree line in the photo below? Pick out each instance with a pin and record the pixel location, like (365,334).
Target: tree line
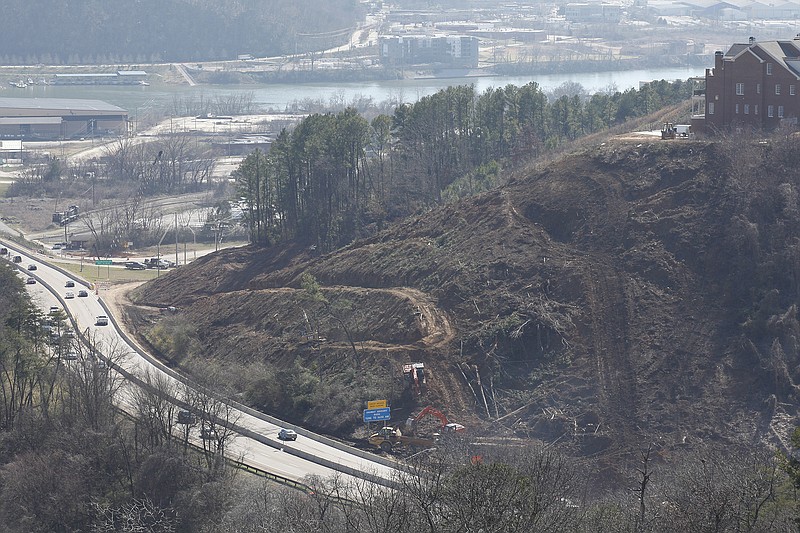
(145,31)
(337,176)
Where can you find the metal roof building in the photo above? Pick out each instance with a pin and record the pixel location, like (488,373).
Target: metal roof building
(59,118)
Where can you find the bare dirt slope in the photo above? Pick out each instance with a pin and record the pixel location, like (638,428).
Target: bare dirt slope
(631,293)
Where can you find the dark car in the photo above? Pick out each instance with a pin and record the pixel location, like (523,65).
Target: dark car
(69,283)
(31,281)
(82,294)
(18,259)
(31,267)
(135,265)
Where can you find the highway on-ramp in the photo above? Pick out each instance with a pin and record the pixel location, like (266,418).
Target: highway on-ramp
(255,442)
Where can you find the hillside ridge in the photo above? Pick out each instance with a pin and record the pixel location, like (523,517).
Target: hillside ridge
(632,292)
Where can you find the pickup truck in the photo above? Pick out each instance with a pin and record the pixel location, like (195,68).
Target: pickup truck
(158,263)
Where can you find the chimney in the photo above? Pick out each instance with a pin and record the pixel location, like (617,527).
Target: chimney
(752,40)
(797,37)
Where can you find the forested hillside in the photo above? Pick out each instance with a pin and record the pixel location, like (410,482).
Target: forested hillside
(337,177)
(140,31)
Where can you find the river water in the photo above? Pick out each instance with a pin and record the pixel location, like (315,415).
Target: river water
(277,97)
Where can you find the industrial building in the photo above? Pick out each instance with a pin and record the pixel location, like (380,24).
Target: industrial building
(59,118)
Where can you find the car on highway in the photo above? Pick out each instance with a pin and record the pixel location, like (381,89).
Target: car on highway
(3,250)
(135,265)
(69,283)
(208,433)
(83,294)
(69,295)
(31,267)
(18,259)
(31,281)
(101,320)
(54,309)
(287,434)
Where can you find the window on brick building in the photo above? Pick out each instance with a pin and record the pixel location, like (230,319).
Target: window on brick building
(758,88)
(746,109)
(737,109)
(711,108)
(769,69)
(755,109)
(770,111)
(777,88)
(792,90)
(780,111)
(740,89)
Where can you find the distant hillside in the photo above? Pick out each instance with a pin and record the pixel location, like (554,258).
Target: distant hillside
(140,31)
(640,291)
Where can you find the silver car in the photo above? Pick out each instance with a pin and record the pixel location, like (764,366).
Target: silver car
(287,434)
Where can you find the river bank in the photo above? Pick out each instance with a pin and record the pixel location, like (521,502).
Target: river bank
(233,73)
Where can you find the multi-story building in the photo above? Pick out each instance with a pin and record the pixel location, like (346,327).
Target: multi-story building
(752,85)
(447,50)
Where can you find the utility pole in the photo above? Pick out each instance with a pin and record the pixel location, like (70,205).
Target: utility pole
(176,239)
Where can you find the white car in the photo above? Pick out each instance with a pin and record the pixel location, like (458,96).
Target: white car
(287,434)
(102,320)
(69,295)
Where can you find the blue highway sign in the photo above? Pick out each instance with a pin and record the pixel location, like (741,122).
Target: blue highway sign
(376,415)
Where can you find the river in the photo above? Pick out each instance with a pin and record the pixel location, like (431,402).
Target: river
(277,97)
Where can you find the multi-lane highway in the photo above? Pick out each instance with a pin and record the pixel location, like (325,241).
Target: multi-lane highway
(255,442)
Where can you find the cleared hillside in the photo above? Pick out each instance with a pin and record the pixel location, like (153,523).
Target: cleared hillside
(638,291)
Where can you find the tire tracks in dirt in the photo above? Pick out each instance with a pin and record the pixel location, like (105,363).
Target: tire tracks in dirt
(434,322)
(608,317)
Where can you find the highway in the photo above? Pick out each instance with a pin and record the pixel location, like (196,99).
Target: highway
(255,442)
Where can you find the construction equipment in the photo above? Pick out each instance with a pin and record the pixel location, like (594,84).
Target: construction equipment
(389,437)
(415,376)
(676,131)
(412,424)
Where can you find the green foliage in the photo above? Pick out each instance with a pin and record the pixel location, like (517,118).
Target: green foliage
(312,288)
(483,178)
(175,337)
(290,391)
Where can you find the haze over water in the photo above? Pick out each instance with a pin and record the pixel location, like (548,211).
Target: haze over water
(278,96)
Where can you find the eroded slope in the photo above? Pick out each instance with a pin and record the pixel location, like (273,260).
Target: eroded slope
(632,293)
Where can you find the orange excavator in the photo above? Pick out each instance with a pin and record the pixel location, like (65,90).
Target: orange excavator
(448,427)
(389,437)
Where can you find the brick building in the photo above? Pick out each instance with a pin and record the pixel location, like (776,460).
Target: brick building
(754,84)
